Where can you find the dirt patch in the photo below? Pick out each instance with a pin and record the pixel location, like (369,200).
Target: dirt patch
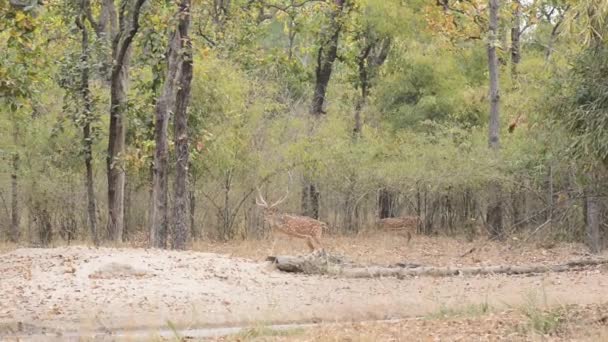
(85,289)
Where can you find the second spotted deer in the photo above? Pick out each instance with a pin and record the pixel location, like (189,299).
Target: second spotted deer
(406,225)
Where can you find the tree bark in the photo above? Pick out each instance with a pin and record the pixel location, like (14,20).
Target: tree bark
(14,235)
(85,93)
(515,38)
(326,55)
(108,23)
(494,129)
(118,102)
(310,199)
(192,200)
(371,57)
(159,217)
(592,215)
(180,230)
(494,214)
(386,204)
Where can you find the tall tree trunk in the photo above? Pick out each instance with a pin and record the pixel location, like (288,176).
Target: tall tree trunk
(386,203)
(550,203)
(364,85)
(310,199)
(371,57)
(128,212)
(593,215)
(180,230)
(494,214)
(14,235)
(192,199)
(159,217)
(515,38)
(90,187)
(326,56)
(85,93)
(129,25)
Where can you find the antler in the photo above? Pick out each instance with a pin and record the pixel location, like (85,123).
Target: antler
(259,200)
(282,199)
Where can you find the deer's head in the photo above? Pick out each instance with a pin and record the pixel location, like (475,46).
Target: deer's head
(270,210)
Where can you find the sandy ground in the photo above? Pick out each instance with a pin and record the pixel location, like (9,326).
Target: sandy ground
(85,289)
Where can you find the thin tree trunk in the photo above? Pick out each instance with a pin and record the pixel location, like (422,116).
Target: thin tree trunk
(592,215)
(91,203)
(326,56)
(369,60)
(555,31)
(86,129)
(386,204)
(550,192)
(192,199)
(160,186)
(515,38)
(14,235)
(118,100)
(494,129)
(180,231)
(128,207)
(495,210)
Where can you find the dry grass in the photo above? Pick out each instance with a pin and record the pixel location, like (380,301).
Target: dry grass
(579,323)
(7,247)
(391,248)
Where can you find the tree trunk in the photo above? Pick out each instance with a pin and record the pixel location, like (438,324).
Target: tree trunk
(159,216)
(370,58)
(326,56)
(85,92)
(515,38)
(494,214)
(494,129)
(310,200)
(386,204)
(550,203)
(14,235)
(193,229)
(128,207)
(118,101)
(593,223)
(91,203)
(592,215)
(180,230)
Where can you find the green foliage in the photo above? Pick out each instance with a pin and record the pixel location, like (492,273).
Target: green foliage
(424,122)
(417,89)
(582,105)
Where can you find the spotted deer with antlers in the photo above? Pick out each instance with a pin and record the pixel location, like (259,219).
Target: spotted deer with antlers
(301,227)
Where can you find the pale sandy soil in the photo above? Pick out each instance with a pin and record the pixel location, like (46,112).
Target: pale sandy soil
(84,289)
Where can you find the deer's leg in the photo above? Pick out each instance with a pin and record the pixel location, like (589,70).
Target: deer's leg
(318,242)
(274,242)
(310,243)
(308,239)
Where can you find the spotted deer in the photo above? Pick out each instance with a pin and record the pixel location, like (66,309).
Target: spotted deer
(301,227)
(405,225)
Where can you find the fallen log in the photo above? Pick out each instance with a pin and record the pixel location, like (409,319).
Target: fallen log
(321,264)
